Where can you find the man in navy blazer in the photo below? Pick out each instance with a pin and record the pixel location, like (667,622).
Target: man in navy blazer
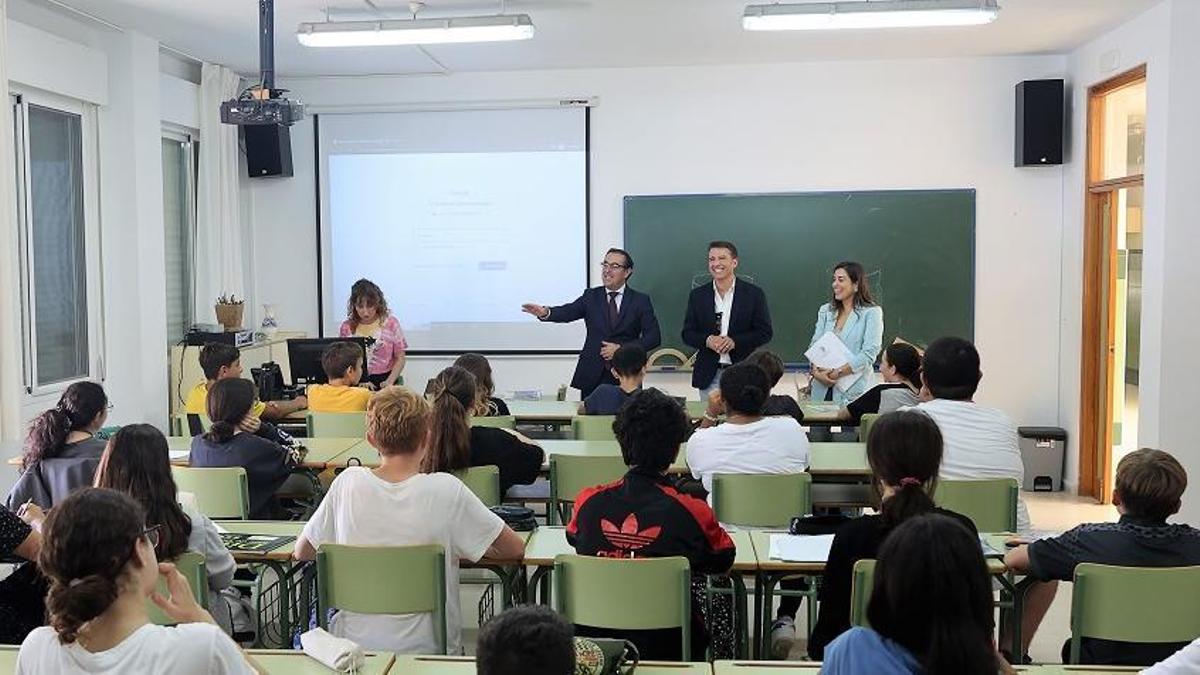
(726,320)
(614,314)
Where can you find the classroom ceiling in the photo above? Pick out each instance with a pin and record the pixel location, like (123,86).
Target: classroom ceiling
(592,34)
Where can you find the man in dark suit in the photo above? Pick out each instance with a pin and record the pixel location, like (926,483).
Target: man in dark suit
(726,320)
(614,314)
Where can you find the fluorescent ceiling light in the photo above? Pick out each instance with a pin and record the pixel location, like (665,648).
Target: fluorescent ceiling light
(498,28)
(877,14)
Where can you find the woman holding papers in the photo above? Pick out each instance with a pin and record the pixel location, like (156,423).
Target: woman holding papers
(840,371)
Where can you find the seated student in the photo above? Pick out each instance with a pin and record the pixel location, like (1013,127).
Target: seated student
(1147,491)
(489,405)
(455,445)
(342,363)
(1186,661)
(397,505)
(930,609)
(61,451)
(629,367)
(22,593)
(747,442)
(777,405)
(137,463)
(904,452)
(650,429)
(268,464)
(531,640)
(980,442)
(222,361)
(99,556)
(901,387)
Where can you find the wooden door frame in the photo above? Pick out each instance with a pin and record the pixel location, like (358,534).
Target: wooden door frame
(1099,297)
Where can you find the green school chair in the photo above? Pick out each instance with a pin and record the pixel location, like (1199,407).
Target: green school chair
(183,423)
(626,593)
(761,500)
(484,482)
(990,504)
(191,565)
(864,426)
(569,474)
(496,422)
(336,424)
(221,492)
(1134,604)
(593,428)
(861,585)
(348,577)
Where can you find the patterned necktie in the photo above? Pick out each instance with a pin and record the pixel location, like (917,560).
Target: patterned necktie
(612,309)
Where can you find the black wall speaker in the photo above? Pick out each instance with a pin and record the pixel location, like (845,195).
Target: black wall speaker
(268,150)
(1039,139)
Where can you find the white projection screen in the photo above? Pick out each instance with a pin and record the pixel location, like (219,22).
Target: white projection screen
(459,216)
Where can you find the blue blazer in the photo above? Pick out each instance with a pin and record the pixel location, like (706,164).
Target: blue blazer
(636,322)
(863,335)
(749,326)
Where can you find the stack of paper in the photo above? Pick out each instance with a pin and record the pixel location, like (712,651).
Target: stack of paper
(178,455)
(830,352)
(801,548)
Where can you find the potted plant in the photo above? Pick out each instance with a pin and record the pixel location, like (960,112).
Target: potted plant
(229,312)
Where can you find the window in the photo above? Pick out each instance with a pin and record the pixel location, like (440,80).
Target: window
(179,219)
(56,221)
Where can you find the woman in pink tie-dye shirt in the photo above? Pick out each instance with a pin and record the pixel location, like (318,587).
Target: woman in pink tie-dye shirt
(367,315)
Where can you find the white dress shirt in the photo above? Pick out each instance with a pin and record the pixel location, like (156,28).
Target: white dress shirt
(724,307)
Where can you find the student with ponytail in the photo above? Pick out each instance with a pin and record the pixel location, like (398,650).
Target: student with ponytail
(99,557)
(455,445)
(904,452)
(268,464)
(62,451)
(930,608)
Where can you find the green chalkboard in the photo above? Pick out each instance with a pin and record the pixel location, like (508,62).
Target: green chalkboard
(917,246)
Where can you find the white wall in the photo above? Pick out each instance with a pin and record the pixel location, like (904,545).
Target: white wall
(781,127)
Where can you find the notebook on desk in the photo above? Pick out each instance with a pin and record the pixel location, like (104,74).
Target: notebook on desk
(254,543)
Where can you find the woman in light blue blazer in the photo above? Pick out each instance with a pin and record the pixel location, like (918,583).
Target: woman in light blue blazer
(855,318)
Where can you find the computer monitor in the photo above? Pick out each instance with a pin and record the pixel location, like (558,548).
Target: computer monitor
(304,357)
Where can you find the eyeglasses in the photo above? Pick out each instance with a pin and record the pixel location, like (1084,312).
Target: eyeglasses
(612,266)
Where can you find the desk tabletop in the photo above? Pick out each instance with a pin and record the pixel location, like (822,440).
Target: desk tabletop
(281,661)
(764,667)
(762,548)
(1057,669)
(549,542)
(838,459)
(321,451)
(465,665)
(821,411)
(8,658)
(562,411)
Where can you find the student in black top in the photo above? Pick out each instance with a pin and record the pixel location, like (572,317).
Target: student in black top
(901,371)
(61,452)
(455,445)
(532,640)
(904,452)
(267,463)
(1148,488)
(489,405)
(644,516)
(22,593)
(777,405)
(629,367)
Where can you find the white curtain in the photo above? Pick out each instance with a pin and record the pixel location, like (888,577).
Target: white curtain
(219,230)
(11,379)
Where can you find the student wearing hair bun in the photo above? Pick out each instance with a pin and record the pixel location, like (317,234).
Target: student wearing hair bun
(62,451)
(99,557)
(901,386)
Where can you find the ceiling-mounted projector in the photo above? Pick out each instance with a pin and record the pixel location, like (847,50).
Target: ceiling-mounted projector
(263,104)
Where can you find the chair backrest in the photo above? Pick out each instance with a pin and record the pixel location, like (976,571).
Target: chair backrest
(484,481)
(861,585)
(383,580)
(593,427)
(990,504)
(569,474)
(625,593)
(185,424)
(1134,604)
(497,422)
(864,426)
(221,492)
(337,424)
(761,500)
(191,565)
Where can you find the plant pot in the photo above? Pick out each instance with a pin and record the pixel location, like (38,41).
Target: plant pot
(230,316)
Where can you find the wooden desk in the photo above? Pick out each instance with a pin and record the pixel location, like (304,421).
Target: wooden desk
(765,667)
(465,665)
(283,661)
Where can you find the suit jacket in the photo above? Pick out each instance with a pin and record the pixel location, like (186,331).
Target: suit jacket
(635,323)
(749,326)
(862,335)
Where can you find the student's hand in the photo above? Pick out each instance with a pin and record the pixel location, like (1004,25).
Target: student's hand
(925,394)
(540,311)
(32,514)
(250,424)
(369,386)
(181,607)
(301,401)
(607,349)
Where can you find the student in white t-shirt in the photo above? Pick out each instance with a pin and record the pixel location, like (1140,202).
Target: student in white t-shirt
(747,442)
(980,442)
(397,505)
(99,557)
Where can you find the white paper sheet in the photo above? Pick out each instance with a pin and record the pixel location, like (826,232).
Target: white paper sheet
(176,455)
(801,548)
(828,352)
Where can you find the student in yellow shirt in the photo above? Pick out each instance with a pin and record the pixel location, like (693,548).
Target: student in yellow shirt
(343,365)
(220,361)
